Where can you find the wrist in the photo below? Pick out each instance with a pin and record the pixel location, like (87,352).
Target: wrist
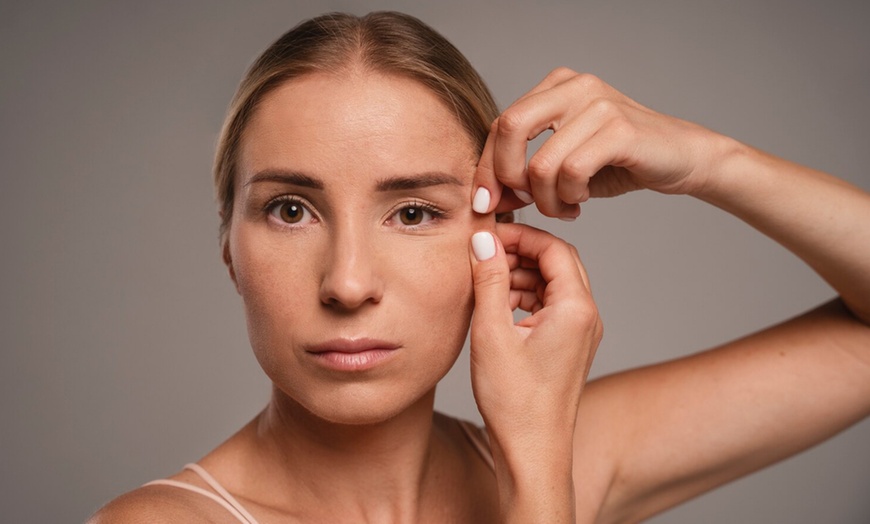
(539,494)
(554,507)
(535,480)
(728,162)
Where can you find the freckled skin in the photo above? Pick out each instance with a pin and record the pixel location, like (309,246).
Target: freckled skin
(350,268)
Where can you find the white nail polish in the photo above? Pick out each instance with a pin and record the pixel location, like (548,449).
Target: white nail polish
(567,219)
(525,196)
(480,203)
(483,245)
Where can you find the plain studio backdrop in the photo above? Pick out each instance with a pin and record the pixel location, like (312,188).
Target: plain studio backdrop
(124,350)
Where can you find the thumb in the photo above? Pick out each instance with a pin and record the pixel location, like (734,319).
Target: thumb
(491,277)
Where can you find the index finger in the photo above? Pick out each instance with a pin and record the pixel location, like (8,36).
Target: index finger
(493,198)
(527,117)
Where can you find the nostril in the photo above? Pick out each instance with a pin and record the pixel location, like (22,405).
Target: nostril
(351,293)
(350,275)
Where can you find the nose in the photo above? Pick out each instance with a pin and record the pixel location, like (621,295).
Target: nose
(350,277)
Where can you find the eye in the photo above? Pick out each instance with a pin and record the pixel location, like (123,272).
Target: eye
(417,215)
(290,211)
(413,216)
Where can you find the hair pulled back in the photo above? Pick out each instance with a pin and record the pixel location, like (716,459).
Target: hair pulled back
(383,42)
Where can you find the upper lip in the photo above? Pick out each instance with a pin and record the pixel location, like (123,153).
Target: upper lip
(351,345)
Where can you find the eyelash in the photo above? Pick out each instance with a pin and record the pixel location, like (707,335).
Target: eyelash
(436,213)
(280,200)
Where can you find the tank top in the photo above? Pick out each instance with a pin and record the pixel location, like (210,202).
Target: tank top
(476,436)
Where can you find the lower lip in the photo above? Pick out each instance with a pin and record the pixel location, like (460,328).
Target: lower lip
(359,361)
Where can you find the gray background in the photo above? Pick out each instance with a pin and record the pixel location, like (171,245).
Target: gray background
(124,352)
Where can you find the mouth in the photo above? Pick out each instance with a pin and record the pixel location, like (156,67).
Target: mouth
(345,354)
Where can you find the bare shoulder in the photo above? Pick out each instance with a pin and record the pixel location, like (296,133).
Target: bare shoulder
(458,430)
(160,504)
(467,442)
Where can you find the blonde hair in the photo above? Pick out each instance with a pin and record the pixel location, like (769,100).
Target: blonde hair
(384,42)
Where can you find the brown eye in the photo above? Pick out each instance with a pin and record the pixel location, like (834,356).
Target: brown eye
(290,212)
(415,215)
(411,216)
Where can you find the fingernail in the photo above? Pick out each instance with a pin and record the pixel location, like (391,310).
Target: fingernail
(480,203)
(525,196)
(483,245)
(573,218)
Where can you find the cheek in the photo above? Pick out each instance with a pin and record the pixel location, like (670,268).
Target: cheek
(443,289)
(445,285)
(275,288)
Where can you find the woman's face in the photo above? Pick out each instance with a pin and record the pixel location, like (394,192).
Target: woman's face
(349,241)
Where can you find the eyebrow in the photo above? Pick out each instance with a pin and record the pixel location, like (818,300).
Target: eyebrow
(401,183)
(286,177)
(397,183)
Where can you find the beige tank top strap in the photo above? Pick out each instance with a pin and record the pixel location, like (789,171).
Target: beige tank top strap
(223,497)
(215,485)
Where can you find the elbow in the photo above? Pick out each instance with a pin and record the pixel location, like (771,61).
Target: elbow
(859,312)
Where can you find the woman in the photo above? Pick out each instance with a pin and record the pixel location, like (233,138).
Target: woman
(359,173)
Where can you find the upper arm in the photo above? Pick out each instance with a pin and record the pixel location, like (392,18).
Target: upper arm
(651,438)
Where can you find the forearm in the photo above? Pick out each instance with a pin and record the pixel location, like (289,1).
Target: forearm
(535,485)
(823,220)
(768,396)
(707,419)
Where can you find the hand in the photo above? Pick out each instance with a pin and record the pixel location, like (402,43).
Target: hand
(603,144)
(527,377)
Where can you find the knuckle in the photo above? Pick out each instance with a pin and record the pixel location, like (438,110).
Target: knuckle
(510,122)
(572,249)
(603,106)
(562,246)
(540,166)
(587,314)
(576,167)
(587,81)
(488,276)
(562,72)
(572,171)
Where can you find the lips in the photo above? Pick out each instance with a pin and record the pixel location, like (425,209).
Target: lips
(352,354)
(346,345)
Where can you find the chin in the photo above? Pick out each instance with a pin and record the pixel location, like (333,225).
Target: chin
(349,416)
(361,404)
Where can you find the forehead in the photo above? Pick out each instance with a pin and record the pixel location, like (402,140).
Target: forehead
(359,124)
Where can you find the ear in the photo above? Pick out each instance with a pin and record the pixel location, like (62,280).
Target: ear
(228,260)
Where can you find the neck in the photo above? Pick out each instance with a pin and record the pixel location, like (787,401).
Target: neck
(375,472)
